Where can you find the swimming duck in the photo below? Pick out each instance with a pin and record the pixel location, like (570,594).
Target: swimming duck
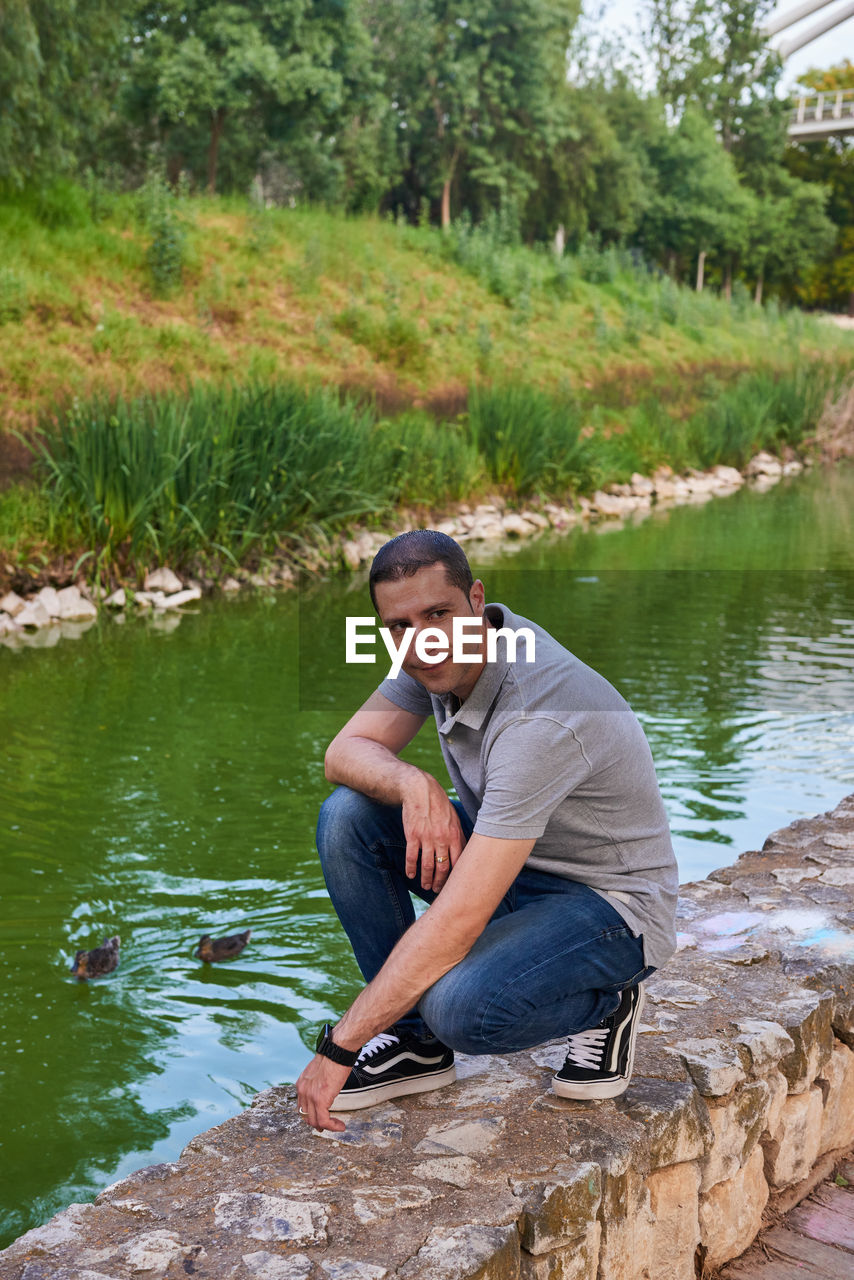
(211,949)
(98,961)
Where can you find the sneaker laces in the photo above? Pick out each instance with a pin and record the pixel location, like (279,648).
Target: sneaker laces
(585,1047)
(384,1040)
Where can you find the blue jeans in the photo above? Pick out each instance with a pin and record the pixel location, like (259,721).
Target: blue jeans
(551,961)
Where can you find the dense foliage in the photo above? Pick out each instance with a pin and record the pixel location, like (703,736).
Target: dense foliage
(435,109)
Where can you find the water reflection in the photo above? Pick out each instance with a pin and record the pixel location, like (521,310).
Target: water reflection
(165,784)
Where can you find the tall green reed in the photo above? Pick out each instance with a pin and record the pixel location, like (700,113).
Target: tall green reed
(529,440)
(231,473)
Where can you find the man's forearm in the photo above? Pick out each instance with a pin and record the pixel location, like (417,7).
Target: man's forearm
(369,767)
(428,950)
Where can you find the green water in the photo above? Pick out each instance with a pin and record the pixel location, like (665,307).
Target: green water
(164,783)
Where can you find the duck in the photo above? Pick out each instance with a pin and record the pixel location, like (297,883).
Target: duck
(212,949)
(98,961)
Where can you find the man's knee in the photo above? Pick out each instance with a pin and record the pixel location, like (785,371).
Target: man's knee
(344,817)
(453,1009)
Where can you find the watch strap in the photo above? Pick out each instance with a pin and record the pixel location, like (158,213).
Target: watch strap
(327,1047)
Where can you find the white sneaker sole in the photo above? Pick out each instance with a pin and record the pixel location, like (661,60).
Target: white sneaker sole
(358,1099)
(591,1090)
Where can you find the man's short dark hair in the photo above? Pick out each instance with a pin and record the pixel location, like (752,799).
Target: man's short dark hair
(404,555)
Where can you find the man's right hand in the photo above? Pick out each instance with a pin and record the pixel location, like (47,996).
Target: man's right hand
(432,828)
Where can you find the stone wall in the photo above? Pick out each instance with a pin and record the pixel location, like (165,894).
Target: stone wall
(743,1089)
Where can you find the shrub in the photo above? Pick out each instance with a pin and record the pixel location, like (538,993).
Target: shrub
(168,238)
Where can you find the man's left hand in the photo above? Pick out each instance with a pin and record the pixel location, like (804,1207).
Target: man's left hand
(317,1088)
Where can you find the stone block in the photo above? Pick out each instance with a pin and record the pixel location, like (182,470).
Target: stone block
(463,1138)
(626,1248)
(33,614)
(181,598)
(674,1201)
(458,1171)
(163,580)
(270,1266)
(765,1043)
(764,464)
(792,1147)
(12,603)
(263,1217)
(466,1253)
(65,1227)
(715,1067)
(153,1253)
(388,1202)
(837,1122)
(576,1261)
(74,606)
(779,1092)
(560,1210)
(731,1212)
(807,1018)
(737,1127)
(354,1269)
(516,526)
(49,597)
(675,1118)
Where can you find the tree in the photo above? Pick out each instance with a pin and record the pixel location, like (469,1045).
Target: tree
(831,80)
(56,60)
(699,208)
(475,87)
(591,179)
(202,67)
(789,232)
(715,54)
(830,162)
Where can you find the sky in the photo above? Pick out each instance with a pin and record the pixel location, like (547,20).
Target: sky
(621,17)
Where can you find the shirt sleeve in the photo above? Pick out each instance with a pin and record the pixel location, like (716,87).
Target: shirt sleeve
(406,692)
(531,767)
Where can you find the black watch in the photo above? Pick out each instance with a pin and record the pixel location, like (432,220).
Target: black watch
(329,1049)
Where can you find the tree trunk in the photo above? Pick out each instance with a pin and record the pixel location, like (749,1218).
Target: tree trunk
(757,297)
(217,122)
(446,191)
(560,240)
(701,262)
(728,282)
(446,205)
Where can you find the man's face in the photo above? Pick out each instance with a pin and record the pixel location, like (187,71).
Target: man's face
(428,599)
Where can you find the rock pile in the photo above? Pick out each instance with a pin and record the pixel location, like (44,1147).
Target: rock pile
(74,609)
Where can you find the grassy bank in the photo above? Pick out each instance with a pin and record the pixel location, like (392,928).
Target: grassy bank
(229,476)
(128,294)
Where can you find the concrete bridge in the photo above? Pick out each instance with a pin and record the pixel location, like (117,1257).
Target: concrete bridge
(822,115)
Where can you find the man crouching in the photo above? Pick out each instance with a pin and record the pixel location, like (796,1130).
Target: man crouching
(552,881)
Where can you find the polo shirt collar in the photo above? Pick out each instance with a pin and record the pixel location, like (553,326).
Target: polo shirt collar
(474,710)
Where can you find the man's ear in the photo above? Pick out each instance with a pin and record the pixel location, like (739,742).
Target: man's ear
(477,597)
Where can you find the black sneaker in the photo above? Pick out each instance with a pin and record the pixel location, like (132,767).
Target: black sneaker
(599,1062)
(393,1063)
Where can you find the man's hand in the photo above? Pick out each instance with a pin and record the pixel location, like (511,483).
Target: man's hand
(317,1088)
(431,825)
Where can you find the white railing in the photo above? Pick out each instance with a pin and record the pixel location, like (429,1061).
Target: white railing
(834,105)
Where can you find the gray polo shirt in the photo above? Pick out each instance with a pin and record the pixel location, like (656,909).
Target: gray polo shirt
(551,751)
